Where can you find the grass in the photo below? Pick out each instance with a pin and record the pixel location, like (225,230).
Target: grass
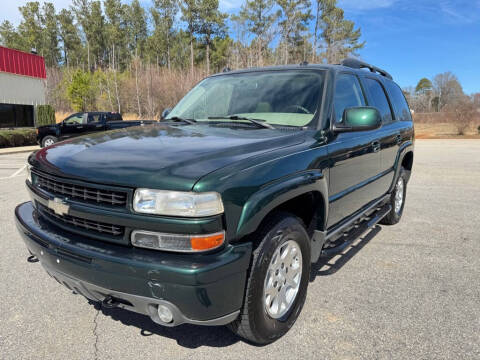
(17,137)
(443,131)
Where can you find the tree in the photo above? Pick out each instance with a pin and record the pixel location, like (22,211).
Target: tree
(447,89)
(211,22)
(50,49)
(340,37)
(30,28)
(424,85)
(9,36)
(296,15)
(190,14)
(137,28)
(69,38)
(80,90)
(90,16)
(464,111)
(259,18)
(163,13)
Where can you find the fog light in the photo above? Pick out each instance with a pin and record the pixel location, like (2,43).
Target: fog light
(165,314)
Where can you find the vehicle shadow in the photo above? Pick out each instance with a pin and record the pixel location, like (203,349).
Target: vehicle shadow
(186,335)
(329,265)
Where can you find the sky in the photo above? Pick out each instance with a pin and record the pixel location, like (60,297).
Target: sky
(410,39)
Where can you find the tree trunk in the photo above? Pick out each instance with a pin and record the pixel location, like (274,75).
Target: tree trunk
(168,51)
(191,55)
(136,85)
(208,56)
(314,53)
(116,82)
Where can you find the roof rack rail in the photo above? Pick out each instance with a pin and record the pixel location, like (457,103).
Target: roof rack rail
(358,64)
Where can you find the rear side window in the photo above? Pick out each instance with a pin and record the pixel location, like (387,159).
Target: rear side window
(94,118)
(114,117)
(378,99)
(402,111)
(348,93)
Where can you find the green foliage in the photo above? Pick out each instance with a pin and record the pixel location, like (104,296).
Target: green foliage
(423,86)
(81,90)
(45,115)
(339,35)
(17,137)
(70,38)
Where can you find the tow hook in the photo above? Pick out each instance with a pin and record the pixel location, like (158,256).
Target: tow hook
(32,259)
(109,302)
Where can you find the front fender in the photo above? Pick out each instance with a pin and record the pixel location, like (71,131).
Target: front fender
(270,196)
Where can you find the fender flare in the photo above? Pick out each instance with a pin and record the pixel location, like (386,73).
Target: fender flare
(272,195)
(404,149)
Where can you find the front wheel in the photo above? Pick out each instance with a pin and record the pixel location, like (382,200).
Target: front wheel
(278,280)
(397,200)
(49,140)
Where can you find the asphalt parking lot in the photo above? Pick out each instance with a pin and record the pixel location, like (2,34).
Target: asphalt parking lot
(410,291)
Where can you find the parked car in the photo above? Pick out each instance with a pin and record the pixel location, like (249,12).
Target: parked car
(215,216)
(83,123)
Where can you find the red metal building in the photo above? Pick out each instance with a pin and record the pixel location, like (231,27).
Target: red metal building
(22,86)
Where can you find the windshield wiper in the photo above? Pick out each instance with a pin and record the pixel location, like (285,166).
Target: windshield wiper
(178,118)
(259,122)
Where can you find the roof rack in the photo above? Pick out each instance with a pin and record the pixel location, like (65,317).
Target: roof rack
(358,64)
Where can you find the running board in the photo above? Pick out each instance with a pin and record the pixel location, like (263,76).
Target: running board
(358,231)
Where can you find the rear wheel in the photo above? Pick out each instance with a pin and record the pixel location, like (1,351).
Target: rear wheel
(397,200)
(278,280)
(49,140)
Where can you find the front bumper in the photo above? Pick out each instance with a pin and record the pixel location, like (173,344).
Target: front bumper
(200,289)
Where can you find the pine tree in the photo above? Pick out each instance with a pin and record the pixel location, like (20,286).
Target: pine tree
(30,28)
(211,23)
(190,14)
(51,51)
(164,13)
(340,37)
(137,28)
(296,15)
(69,38)
(9,36)
(259,17)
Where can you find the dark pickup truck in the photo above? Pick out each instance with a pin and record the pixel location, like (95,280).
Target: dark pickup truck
(83,123)
(216,215)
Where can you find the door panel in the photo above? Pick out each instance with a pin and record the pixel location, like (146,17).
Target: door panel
(354,174)
(72,126)
(355,157)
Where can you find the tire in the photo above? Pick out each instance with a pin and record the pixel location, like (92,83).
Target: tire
(395,213)
(49,140)
(256,323)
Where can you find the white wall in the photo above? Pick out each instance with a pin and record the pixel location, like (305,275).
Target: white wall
(21,90)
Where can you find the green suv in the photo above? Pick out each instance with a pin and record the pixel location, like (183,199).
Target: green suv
(215,215)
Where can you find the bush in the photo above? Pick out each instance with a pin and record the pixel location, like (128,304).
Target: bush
(45,115)
(17,137)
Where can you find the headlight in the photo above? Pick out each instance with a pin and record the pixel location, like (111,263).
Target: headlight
(176,203)
(28,169)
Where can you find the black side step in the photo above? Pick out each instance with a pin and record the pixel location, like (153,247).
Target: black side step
(358,231)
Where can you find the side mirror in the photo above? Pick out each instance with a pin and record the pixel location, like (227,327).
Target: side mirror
(166,112)
(359,119)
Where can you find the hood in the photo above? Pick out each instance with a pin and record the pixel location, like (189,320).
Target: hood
(158,156)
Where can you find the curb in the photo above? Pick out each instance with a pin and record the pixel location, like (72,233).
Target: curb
(18,151)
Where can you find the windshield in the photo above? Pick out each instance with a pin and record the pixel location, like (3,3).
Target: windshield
(277,97)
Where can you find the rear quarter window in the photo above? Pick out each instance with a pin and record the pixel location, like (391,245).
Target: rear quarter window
(378,98)
(114,117)
(400,105)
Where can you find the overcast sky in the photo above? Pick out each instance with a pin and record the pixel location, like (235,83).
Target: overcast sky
(409,38)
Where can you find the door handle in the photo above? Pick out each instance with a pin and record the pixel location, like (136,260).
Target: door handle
(376,146)
(79,127)
(398,139)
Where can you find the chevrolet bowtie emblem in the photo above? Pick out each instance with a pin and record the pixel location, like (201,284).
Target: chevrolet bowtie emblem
(58,206)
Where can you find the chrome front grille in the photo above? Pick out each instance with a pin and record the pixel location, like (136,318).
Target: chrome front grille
(89,225)
(88,194)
